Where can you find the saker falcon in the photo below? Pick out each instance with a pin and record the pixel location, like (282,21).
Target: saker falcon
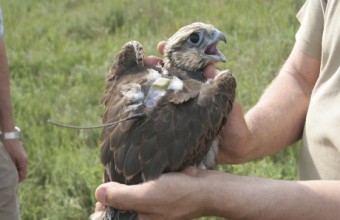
(178,113)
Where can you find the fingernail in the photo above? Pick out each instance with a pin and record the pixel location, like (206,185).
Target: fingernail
(100,194)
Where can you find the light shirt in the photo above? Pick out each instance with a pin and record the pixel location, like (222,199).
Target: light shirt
(319,37)
(1,25)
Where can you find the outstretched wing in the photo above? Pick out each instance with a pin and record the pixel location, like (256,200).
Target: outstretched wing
(123,96)
(121,87)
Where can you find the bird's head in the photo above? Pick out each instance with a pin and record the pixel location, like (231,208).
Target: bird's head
(193,47)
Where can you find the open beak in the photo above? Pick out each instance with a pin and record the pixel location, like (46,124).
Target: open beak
(212,52)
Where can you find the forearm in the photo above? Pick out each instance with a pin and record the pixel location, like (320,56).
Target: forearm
(195,193)
(277,120)
(274,122)
(6,114)
(238,197)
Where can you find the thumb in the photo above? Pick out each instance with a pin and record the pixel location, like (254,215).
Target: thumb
(102,191)
(161,46)
(114,194)
(210,71)
(22,164)
(22,170)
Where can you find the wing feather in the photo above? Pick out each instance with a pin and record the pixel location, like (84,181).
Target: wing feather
(176,133)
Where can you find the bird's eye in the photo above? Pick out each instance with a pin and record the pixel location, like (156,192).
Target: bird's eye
(194,38)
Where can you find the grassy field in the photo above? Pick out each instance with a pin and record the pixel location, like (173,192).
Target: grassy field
(60,53)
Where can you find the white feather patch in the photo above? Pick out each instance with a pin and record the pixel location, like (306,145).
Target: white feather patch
(133,93)
(209,81)
(98,215)
(134,107)
(176,84)
(165,72)
(153,75)
(209,161)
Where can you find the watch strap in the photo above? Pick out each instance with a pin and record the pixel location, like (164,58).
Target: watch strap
(10,135)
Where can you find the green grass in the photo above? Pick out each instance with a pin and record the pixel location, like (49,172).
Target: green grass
(60,52)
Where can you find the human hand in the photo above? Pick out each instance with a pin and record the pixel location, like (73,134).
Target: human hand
(153,60)
(18,155)
(173,196)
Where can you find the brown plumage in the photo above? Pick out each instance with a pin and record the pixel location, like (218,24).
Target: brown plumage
(184,113)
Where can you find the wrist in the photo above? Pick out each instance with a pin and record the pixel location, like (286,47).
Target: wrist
(211,199)
(10,135)
(214,206)
(11,144)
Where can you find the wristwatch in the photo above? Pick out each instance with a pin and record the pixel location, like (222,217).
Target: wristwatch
(10,135)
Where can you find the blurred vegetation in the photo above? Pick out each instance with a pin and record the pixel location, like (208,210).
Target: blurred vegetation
(60,53)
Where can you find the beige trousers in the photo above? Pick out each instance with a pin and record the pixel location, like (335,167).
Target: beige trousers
(9,205)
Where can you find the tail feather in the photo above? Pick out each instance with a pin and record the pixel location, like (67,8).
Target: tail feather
(99,215)
(113,214)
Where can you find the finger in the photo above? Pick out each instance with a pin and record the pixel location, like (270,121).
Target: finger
(101,192)
(210,71)
(99,207)
(152,60)
(22,175)
(22,169)
(161,46)
(191,171)
(115,195)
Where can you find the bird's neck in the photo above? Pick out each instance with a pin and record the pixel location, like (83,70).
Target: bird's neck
(185,74)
